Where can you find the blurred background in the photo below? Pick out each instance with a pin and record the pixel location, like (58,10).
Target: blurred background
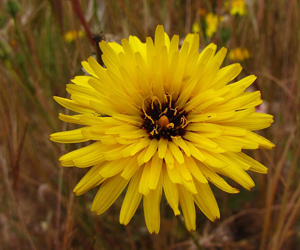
(41,46)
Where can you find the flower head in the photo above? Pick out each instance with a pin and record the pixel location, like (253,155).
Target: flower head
(238,7)
(238,54)
(196,27)
(211,21)
(72,35)
(162,120)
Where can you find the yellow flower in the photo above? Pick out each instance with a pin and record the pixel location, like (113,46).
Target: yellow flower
(72,35)
(162,120)
(238,54)
(196,27)
(211,24)
(238,7)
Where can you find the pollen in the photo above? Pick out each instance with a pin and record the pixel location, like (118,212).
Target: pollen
(163,121)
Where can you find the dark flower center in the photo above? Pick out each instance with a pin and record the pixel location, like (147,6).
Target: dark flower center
(163,120)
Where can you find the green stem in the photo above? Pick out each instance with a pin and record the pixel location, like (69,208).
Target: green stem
(192,235)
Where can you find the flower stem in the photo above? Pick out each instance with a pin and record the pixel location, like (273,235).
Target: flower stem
(191,234)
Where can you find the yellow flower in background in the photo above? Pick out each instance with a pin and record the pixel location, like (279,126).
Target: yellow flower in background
(196,27)
(72,35)
(211,24)
(238,7)
(162,120)
(238,54)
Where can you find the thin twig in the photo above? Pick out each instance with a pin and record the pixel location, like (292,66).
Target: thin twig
(59,195)
(77,9)
(193,237)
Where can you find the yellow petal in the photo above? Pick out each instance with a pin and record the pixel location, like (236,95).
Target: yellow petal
(199,139)
(151,204)
(263,142)
(90,180)
(174,174)
(217,180)
(206,201)
(162,148)
(255,165)
(188,208)
(195,169)
(169,159)
(171,191)
(184,172)
(155,171)
(109,191)
(254,121)
(109,57)
(71,119)
(134,120)
(151,150)
(141,144)
(159,37)
(112,168)
(242,142)
(71,136)
(176,152)
(88,68)
(130,168)
(132,199)
(214,160)
(181,143)
(226,74)
(189,186)
(238,175)
(195,152)
(72,105)
(144,182)
(97,146)
(113,154)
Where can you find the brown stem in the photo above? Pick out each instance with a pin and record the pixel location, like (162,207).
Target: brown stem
(77,9)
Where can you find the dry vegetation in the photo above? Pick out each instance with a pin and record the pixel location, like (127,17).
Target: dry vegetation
(38,209)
